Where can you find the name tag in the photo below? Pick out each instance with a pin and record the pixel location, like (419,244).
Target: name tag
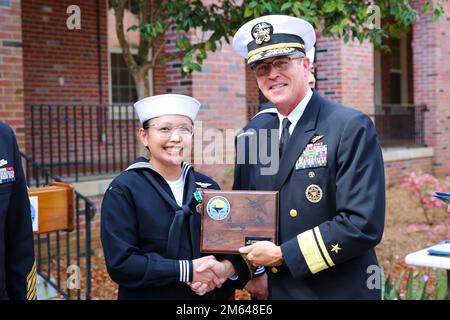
(314,155)
(7,175)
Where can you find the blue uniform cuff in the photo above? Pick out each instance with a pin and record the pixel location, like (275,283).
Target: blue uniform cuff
(259,271)
(186,271)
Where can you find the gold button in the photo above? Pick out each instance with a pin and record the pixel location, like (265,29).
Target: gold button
(311,174)
(274,270)
(293,213)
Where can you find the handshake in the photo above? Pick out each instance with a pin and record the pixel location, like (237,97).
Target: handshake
(209,274)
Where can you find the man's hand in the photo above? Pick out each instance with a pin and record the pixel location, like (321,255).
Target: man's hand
(258,287)
(222,271)
(204,280)
(263,253)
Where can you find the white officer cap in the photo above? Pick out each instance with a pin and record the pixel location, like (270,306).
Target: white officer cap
(167,104)
(272,36)
(310,54)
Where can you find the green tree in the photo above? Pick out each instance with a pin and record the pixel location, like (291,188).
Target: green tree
(202,25)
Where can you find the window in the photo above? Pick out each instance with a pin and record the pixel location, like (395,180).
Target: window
(123,89)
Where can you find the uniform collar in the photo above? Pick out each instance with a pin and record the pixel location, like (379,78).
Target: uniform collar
(143,163)
(297,113)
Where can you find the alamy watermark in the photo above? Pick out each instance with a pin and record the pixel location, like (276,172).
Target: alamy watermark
(374,20)
(217,146)
(73,22)
(373,281)
(74,277)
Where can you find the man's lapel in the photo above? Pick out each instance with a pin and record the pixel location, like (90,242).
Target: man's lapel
(302,134)
(266,182)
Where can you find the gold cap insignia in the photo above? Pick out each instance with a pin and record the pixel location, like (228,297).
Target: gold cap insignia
(261,32)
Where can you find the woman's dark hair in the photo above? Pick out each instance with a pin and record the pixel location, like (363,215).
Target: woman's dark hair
(146,124)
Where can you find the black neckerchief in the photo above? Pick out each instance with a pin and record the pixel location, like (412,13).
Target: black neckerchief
(173,241)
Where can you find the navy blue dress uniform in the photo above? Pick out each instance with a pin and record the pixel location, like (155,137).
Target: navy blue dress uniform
(17,264)
(331,184)
(148,240)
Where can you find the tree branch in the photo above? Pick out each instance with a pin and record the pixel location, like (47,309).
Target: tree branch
(119,8)
(144,42)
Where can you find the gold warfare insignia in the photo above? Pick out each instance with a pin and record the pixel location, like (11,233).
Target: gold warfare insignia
(261,32)
(335,248)
(316,138)
(314,193)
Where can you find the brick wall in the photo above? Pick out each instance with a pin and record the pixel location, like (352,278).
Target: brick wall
(11,68)
(62,65)
(345,72)
(395,171)
(431,71)
(167,77)
(221,88)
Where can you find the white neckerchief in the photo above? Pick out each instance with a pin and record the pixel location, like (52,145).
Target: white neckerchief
(295,114)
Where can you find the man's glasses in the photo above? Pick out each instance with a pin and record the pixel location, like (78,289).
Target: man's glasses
(166,131)
(280,64)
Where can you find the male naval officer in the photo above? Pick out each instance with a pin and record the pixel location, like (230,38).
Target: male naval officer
(330,175)
(257,286)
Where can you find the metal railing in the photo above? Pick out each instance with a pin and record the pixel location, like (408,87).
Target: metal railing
(62,254)
(400,124)
(81,140)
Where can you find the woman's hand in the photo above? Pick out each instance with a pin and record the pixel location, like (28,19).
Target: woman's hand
(210,274)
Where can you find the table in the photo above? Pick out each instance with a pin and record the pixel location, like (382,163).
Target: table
(423,259)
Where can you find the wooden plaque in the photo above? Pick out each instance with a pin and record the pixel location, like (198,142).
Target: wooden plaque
(55,207)
(233,219)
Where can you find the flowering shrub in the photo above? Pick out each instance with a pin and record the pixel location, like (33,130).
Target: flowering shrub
(423,187)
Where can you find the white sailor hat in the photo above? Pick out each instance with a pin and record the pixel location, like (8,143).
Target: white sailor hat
(272,36)
(167,104)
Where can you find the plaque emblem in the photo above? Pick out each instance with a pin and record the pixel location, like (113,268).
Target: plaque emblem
(218,208)
(314,193)
(261,32)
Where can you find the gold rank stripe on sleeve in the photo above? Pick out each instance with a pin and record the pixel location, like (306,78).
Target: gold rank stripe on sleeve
(31,283)
(322,247)
(312,248)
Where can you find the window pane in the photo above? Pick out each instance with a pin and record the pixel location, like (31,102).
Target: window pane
(395,54)
(395,88)
(122,83)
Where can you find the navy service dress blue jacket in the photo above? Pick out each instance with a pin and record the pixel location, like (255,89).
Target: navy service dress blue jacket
(17,264)
(149,246)
(332,201)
